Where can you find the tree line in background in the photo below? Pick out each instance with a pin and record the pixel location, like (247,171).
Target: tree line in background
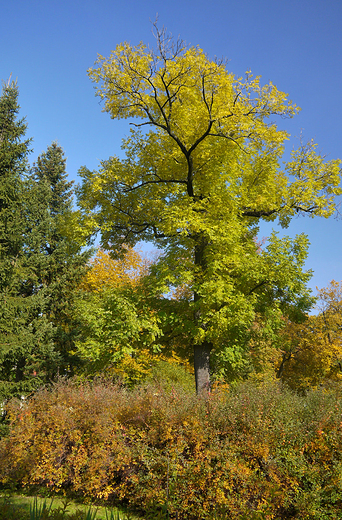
(202,169)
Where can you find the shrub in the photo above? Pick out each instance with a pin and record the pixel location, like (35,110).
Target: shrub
(257,451)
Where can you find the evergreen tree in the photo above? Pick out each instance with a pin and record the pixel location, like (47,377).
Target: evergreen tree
(58,257)
(25,332)
(13,163)
(40,264)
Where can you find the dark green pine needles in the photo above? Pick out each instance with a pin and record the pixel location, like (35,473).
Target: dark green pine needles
(39,266)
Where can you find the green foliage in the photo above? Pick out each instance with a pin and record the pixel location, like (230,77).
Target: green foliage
(118,330)
(40,511)
(114,324)
(167,376)
(56,258)
(39,265)
(8,511)
(14,150)
(256,450)
(26,346)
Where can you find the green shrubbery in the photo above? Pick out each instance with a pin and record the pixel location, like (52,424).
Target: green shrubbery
(255,452)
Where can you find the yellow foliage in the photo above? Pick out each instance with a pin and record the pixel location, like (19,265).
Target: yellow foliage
(132,369)
(202,166)
(107,272)
(312,352)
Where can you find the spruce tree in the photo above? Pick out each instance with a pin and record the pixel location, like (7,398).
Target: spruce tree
(58,258)
(41,264)
(13,163)
(26,347)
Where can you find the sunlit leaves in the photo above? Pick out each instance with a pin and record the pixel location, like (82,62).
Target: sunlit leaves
(201,166)
(205,153)
(312,350)
(105,272)
(118,330)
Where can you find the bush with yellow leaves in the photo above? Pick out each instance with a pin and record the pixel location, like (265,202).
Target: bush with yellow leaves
(255,452)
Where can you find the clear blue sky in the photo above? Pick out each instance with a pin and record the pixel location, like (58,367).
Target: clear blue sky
(48,45)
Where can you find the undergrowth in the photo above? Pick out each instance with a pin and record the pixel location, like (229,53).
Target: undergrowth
(258,451)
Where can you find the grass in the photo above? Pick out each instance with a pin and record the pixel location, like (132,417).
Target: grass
(20,507)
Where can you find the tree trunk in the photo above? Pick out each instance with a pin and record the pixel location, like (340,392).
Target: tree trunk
(281,367)
(202,351)
(19,372)
(202,367)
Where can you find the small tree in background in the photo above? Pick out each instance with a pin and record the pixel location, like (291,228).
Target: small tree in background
(119,329)
(312,349)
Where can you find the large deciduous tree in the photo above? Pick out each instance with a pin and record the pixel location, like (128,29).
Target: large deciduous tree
(202,167)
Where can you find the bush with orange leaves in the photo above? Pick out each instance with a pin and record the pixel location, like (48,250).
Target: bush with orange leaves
(255,452)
